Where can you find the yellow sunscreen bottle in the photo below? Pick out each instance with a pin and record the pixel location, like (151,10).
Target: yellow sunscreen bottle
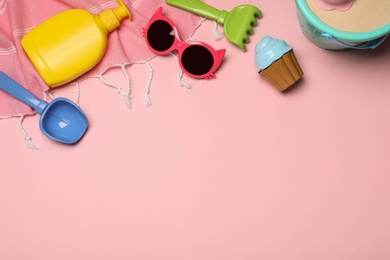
(70,43)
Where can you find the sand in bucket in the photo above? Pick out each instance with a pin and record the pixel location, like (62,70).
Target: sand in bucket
(363,16)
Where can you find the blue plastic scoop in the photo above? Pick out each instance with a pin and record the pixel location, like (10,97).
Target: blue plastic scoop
(61,120)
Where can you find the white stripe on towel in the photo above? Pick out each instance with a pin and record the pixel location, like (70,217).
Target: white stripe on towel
(3,6)
(8,51)
(21,32)
(136,4)
(98,8)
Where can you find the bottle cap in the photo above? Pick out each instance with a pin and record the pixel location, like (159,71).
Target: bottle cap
(122,10)
(111,18)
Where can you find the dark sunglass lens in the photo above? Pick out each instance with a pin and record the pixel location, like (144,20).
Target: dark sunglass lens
(160,35)
(197,60)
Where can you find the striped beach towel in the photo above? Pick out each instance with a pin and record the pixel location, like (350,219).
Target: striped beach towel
(126,44)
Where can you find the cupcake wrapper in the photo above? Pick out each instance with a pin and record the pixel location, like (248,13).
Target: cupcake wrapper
(284,72)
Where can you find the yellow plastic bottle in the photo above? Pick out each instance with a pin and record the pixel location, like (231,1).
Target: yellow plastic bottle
(70,43)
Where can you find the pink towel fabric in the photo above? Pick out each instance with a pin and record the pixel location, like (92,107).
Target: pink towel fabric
(126,44)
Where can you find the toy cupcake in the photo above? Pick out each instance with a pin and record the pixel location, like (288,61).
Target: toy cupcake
(277,63)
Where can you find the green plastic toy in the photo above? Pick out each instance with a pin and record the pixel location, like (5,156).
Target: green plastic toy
(237,24)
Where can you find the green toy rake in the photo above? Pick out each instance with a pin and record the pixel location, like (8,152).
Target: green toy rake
(237,24)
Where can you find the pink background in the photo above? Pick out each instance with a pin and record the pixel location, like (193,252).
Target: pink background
(230,169)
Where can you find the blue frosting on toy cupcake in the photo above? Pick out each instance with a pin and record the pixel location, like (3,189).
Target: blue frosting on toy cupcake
(269,50)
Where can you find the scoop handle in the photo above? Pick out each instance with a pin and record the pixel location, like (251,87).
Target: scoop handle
(198,7)
(16,90)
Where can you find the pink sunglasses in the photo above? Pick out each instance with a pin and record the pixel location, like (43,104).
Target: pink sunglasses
(197,59)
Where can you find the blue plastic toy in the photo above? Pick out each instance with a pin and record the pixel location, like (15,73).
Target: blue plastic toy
(61,120)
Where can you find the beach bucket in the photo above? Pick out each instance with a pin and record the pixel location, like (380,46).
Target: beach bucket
(327,37)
